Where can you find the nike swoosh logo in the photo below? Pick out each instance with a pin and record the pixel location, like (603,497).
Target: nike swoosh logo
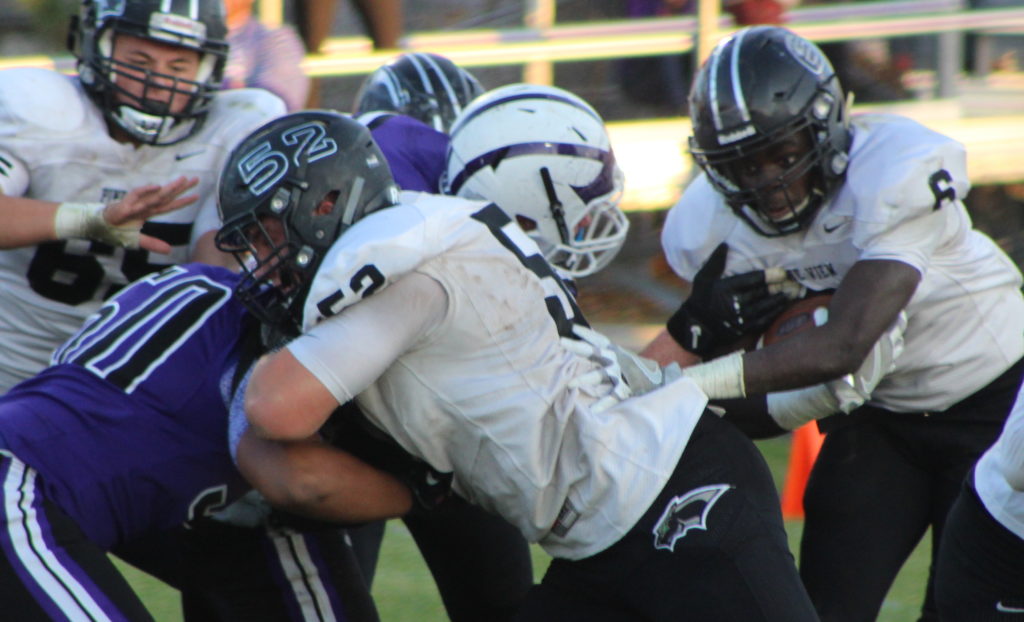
(181,156)
(829,229)
(1000,607)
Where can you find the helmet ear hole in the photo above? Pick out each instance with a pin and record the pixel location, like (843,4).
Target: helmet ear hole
(526,224)
(327,203)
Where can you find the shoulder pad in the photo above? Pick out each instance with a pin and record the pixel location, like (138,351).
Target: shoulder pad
(34,98)
(900,169)
(236,112)
(695,225)
(384,246)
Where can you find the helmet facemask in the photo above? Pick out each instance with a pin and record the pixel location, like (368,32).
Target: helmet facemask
(277,268)
(590,236)
(759,205)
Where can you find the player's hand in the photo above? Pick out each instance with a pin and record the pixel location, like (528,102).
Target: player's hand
(719,310)
(606,382)
(124,219)
(854,389)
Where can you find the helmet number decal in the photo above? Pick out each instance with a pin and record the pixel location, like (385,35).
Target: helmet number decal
(263,167)
(311,139)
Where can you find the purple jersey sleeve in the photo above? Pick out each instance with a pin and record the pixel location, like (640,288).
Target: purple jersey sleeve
(128,427)
(415,151)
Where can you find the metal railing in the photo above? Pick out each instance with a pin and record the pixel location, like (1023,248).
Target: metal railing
(651,151)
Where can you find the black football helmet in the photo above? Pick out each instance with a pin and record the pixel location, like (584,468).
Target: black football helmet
(761,85)
(425,86)
(194,24)
(307,175)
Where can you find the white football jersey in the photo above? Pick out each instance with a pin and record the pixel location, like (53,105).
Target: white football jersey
(901,201)
(456,354)
(999,474)
(54,146)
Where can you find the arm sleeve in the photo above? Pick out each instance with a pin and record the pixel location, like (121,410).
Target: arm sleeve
(349,351)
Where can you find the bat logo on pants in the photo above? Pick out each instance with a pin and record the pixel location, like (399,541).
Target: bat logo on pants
(686,512)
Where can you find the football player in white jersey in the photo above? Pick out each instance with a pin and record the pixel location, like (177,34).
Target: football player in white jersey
(870,207)
(440,317)
(979,573)
(142,123)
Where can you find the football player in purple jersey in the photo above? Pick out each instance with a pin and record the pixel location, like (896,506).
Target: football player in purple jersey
(126,435)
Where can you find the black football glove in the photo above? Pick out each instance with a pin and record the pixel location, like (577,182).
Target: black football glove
(720,311)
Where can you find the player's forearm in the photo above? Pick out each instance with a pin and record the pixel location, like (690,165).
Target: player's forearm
(312,479)
(26,221)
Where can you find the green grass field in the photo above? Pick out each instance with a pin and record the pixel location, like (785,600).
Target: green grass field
(405,592)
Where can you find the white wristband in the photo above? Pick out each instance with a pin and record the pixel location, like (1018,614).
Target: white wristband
(85,220)
(721,378)
(792,409)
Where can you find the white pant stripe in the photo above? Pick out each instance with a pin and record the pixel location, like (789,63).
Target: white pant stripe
(23,529)
(304,577)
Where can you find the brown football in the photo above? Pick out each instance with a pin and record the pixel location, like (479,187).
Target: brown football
(799,316)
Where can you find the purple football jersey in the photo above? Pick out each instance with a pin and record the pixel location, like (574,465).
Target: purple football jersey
(128,427)
(415,151)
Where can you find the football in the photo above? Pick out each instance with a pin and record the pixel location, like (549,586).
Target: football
(799,316)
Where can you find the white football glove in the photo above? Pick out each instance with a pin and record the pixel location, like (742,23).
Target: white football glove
(791,409)
(854,389)
(597,348)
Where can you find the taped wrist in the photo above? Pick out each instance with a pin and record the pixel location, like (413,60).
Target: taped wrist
(85,220)
(721,378)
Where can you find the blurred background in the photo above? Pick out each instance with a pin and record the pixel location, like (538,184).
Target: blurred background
(955,65)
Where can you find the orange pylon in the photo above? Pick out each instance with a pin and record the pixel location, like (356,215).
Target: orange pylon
(803,450)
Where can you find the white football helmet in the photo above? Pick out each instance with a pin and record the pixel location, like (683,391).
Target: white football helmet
(542,155)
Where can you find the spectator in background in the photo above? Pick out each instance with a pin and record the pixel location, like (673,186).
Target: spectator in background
(658,80)
(866,67)
(382,20)
(264,57)
(664,80)
(750,12)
